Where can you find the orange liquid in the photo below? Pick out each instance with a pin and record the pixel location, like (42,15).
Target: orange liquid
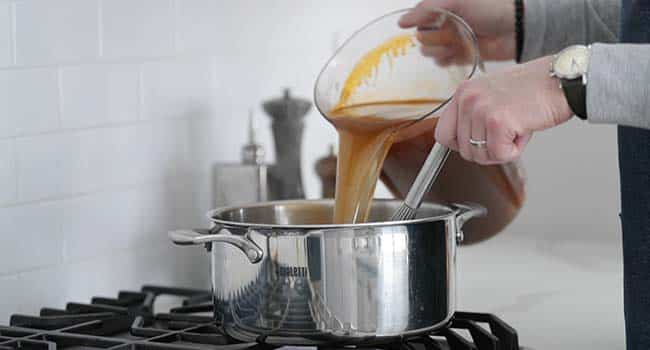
(366,133)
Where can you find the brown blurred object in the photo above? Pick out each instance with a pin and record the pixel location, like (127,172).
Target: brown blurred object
(500,188)
(326,170)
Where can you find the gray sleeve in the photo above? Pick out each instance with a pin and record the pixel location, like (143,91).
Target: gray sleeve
(618,85)
(551,25)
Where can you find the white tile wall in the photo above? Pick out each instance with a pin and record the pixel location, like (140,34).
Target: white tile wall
(54,286)
(22,293)
(6,27)
(56,31)
(49,166)
(7,172)
(174,205)
(175,89)
(197,27)
(31,237)
(114,112)
(114,157)
(127,271)
(168,150)
(28,101)
(137,28)
(102,224)
(94,95)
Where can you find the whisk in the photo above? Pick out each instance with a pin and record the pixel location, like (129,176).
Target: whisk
(422,184)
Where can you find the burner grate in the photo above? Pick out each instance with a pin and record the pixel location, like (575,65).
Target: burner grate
(128,322)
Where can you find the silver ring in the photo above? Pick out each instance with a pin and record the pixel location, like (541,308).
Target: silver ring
(478,143)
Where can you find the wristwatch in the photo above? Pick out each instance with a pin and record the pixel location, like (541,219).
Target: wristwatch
(570,66)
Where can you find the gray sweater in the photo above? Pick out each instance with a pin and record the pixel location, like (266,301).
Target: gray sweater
(618,80)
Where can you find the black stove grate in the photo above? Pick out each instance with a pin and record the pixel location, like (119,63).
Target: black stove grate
(129,322)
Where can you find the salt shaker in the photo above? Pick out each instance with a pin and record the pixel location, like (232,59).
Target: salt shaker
(245,182)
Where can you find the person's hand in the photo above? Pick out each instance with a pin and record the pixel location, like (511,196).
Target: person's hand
(503,109)
(493,23)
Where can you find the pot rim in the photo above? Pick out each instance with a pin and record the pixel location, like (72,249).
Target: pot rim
(453,211)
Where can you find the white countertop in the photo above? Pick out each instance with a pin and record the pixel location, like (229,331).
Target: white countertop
(557,295)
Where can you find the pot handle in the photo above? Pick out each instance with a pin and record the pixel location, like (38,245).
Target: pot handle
(196,237)
(465,212)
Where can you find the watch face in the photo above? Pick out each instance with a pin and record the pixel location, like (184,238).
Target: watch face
(572,62)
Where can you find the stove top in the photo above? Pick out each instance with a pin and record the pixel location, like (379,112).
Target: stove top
(129,321)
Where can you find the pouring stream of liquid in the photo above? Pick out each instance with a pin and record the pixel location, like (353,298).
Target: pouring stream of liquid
(367,130)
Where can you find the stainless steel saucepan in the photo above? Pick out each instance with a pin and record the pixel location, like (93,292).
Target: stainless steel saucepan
(282,275)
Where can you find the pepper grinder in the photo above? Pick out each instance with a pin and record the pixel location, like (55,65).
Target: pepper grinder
(287,114)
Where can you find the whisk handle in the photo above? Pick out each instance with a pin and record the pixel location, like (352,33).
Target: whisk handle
(427,175)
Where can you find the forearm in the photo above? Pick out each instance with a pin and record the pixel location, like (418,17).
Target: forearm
(618,86)
(551,25)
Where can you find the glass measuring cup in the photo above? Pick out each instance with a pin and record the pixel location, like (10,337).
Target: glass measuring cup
(414,75)
(382,80)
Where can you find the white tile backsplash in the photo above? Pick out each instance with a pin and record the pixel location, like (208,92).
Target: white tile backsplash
(30,237)
(49,166)
(27,293)
(56,31)
(156,213)
(137,27)
(7,172)
(171,206)
(6,28)
(169,148)
(94,95)
(10,294)
(175,89)
(114,157)
(124,270)
(201,24)
(102,224)
(28,101)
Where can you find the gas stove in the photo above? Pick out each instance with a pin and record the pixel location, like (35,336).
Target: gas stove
(130,321)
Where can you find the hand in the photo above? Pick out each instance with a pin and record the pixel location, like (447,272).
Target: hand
(493,23)
(504,109)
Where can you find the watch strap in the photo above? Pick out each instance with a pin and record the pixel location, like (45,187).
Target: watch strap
(576,95)
(519,29)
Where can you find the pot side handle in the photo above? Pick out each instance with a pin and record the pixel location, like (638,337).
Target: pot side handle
(465,212)
(197,237)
